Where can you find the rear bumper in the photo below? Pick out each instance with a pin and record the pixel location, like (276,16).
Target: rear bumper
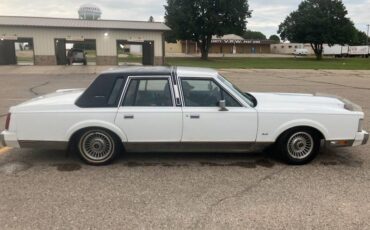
(9,139)
(361,138)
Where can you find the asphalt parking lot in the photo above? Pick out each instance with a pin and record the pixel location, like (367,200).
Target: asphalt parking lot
(54,190)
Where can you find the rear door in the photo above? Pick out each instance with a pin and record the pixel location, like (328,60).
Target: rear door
(148,113)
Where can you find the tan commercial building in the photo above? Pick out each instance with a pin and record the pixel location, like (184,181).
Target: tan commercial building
(228,44)
(173,48)
(48,39)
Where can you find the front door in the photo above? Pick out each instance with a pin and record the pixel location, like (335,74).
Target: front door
(205,122)
(148,113)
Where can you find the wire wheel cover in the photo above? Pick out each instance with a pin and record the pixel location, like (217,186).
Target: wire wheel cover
(300,145)
(97,145)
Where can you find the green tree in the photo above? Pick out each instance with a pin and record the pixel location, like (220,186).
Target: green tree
(84,45)
(360,38)
(318,22)
(249,34)
(170,37)
(275,38)
(199,20)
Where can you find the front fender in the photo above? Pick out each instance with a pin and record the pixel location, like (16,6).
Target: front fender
(98,124)
(301,122)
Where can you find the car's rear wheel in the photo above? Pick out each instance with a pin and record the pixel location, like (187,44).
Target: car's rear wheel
(98,146)
(299,146)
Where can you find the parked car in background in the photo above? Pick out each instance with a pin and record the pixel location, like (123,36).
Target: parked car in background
(300,52)
(76,56)
(181,109)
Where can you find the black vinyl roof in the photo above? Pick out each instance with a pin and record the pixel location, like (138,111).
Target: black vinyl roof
(140,70)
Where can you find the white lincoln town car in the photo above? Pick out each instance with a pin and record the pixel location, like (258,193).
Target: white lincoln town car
(181,109)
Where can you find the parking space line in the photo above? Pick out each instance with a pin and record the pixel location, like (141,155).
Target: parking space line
(4,150)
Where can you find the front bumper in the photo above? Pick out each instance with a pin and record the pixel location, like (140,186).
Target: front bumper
(361,138)
(9,139)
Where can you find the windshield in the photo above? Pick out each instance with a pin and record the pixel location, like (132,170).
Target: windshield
(248,98)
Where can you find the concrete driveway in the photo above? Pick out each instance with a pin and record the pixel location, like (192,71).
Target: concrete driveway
(54,190)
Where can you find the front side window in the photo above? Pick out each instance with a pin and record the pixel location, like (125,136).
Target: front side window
(148,92)
(205,93)
(248,98)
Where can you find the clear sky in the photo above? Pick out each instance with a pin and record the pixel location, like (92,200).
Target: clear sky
(266,16)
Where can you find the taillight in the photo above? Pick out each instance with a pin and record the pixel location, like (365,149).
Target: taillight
(7,122)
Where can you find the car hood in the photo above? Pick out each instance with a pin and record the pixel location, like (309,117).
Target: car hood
(303,102)
(60,99)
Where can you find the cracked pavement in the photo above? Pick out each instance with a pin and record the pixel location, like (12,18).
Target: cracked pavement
(43,189)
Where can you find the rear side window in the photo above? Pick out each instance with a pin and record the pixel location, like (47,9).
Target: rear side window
(104,92)
(148,92)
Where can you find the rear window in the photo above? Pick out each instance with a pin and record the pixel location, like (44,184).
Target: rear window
(104,92)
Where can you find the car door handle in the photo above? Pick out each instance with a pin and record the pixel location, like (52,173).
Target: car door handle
(128,116)
(194,116)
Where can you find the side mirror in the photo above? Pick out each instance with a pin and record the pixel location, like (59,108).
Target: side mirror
(222,105)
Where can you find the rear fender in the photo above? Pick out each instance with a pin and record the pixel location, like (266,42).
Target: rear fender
(96,124)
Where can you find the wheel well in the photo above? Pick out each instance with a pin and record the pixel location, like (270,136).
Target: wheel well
(73,138)
(318,132)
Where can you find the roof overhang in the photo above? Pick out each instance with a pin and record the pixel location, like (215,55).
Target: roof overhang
(81,24)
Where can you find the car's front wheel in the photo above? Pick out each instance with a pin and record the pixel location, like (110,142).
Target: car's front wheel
(98,146)
(299,146)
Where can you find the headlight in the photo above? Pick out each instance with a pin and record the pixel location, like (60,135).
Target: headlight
(360,125)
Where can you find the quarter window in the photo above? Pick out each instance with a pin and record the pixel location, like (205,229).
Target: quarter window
(148,92)
(104,92)
(205,93)
(117,89)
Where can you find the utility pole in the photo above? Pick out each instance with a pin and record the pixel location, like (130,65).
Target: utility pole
(367,37)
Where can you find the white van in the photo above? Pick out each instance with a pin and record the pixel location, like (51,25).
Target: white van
(300,52)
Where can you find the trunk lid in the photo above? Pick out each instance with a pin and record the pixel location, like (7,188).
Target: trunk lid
(59,99)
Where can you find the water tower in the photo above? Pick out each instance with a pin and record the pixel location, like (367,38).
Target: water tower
(89,12)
